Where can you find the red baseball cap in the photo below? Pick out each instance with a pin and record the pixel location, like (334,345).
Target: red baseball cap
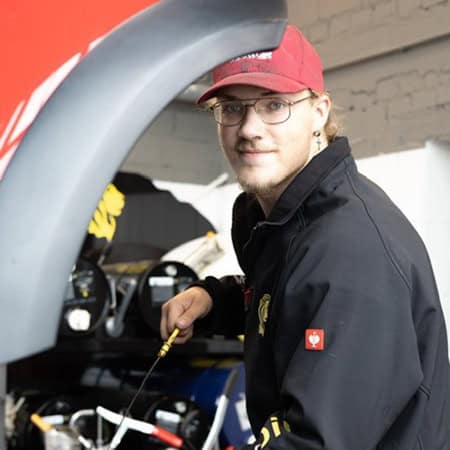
(292,67)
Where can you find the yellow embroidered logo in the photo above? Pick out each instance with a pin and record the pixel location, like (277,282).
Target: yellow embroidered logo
(274,431)
(263,313)
(103,224)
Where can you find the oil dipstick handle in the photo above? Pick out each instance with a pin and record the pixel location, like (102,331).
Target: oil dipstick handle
(43,425)
(168,344)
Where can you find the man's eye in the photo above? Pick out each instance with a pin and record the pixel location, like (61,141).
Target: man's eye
(275,105)
(232,108)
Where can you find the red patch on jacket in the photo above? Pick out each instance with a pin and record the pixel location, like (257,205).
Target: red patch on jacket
(314,339)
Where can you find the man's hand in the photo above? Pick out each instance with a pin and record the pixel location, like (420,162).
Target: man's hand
(182,310)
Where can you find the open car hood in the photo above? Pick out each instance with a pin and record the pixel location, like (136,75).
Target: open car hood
(84,133)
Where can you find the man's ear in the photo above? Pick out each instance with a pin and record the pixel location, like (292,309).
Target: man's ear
(322,107)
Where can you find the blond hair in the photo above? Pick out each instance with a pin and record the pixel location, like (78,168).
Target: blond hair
(333,125)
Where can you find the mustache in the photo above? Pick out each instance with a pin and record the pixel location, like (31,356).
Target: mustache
(249,147)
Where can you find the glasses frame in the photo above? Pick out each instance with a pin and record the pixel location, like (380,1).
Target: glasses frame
(252,105)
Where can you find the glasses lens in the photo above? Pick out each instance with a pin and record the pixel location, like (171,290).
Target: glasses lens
(272,110)
(229,112)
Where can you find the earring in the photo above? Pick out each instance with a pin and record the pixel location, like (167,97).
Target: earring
(316,134)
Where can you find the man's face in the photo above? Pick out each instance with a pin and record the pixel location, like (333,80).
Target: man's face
(267,157)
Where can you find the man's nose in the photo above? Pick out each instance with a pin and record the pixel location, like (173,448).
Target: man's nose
(252,124)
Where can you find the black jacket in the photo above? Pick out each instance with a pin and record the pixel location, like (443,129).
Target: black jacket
(336,257)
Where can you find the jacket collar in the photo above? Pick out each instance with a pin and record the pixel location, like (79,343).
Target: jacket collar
(247,212)
(307,180)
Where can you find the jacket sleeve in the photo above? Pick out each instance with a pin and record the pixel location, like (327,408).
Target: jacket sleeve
(227,315)
(346,396)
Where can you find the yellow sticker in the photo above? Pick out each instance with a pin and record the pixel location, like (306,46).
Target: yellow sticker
(263,313)
(103,224)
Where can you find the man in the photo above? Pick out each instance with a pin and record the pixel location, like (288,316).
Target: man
(345,341)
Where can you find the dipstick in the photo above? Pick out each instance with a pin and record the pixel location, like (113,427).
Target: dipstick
(162,352)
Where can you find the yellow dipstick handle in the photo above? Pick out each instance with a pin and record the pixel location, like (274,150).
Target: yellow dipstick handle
(168,344)
(41,423)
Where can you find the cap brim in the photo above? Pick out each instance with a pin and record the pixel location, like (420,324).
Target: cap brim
(270,81)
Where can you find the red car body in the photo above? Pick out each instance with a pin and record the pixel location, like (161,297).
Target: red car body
(40,43)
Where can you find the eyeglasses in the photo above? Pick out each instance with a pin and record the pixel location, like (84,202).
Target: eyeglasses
(271,110)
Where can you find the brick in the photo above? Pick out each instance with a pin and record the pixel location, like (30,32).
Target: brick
(444,78)
(195,126)
(372,3)
(328,8)
(431,79)
(399,106)
(355,124)
(406,8)
(419,126)
(388,88)
(164,123)
(341,96)
(318,32)
(411,82)
(423,100)
(361,101)
(145,152)
(176,159)
(361,20)
(384,13)
(443,95)
(182,151)
(304,15)
(340,24)
(430,3)
(369,123)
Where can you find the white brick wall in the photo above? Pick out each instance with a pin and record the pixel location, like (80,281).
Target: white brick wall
(386,65)
(181,145)
(396,101)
